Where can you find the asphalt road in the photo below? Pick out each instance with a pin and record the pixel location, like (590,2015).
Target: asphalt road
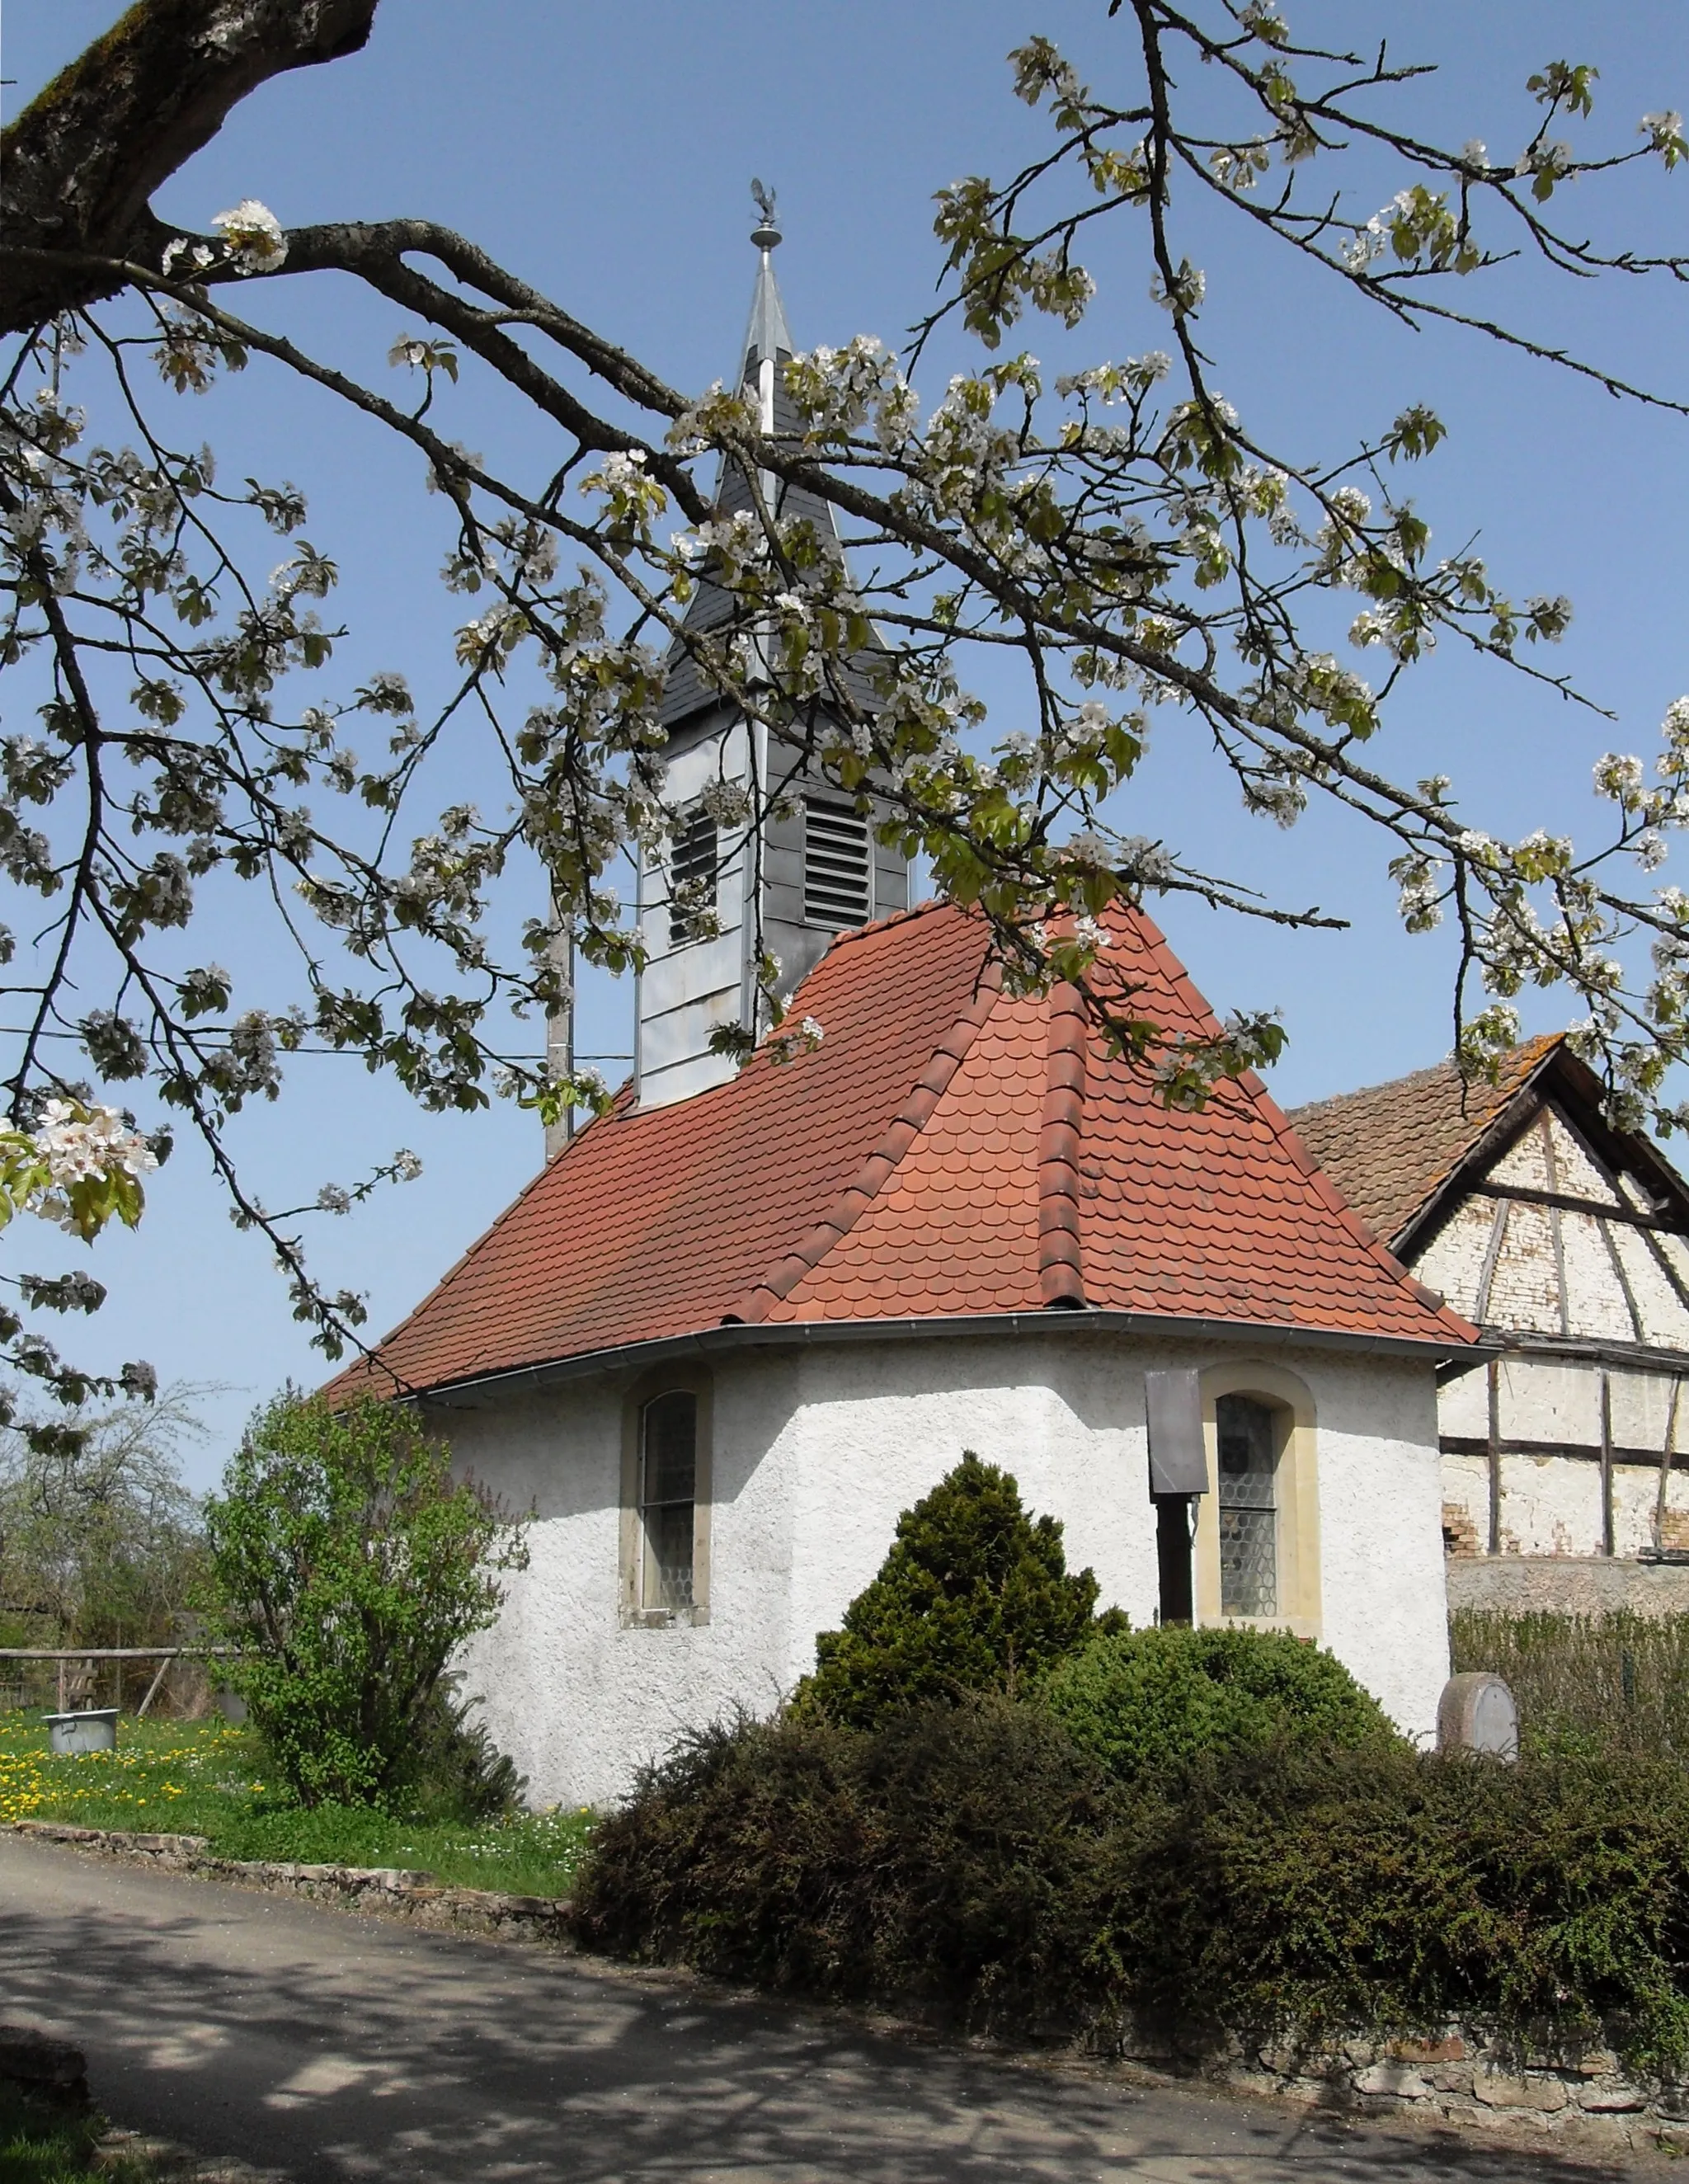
(334,2046)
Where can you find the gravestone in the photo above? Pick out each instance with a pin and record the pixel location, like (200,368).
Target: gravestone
(1478,1713)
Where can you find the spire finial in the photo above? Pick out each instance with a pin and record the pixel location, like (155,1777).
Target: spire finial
(765,235)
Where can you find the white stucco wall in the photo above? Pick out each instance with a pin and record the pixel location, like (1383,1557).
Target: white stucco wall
(816,1452)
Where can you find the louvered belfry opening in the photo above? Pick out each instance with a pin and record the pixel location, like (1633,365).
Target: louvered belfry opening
(693,870)
(838,865)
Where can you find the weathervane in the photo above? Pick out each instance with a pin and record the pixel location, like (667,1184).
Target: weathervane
(765,235)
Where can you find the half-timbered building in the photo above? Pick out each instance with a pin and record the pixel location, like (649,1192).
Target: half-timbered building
(1565,1452)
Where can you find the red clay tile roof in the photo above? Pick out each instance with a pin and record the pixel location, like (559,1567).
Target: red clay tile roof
(1391,1147)
(947,1149)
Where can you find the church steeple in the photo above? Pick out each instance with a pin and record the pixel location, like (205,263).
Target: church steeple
(767,339)
(725,890)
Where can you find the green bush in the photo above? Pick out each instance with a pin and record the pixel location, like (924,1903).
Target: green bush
(945,1858)
(974,1595)
(1612,1682)
(453,1769)
(972,1859)
(1154,1699)
(348,1564)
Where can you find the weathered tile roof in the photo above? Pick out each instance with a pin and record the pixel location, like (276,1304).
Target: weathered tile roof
(948,1150)
(1390,1147)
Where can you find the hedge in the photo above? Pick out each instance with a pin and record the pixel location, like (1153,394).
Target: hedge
(1618,1682)
(974,1862)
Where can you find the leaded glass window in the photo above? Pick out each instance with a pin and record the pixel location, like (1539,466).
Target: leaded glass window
(668,1486)
(1248,1437)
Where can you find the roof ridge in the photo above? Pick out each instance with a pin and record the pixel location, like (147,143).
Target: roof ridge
(875,925)
(1061,1261)
(882,1163)
(1539,1047)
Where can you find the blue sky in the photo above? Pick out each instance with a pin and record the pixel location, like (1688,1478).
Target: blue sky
(606,153)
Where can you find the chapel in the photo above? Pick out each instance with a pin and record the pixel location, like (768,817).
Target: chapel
(739,1323)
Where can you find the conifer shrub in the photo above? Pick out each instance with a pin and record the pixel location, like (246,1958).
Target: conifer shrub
(452,1769)
(1164,1698)
(975,1596)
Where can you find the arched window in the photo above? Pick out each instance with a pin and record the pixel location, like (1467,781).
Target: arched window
(668,1498)
(666,1501)
(1256,1558)
(1247,1438)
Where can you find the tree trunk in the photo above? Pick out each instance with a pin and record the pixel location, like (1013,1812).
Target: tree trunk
(79,166)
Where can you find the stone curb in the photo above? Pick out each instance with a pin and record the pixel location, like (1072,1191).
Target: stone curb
(391,1891)
(1462,2079)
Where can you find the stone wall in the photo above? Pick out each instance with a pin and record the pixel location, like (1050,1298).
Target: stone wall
(1566,1585)
(1585,2101)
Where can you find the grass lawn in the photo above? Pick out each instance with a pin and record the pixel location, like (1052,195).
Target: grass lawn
(41,2144)
(205,1778)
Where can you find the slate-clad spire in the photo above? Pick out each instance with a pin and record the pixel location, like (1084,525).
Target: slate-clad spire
(768,347)
(767,337)
(727,893)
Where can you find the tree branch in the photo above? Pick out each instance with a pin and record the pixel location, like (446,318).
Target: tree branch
(82,162)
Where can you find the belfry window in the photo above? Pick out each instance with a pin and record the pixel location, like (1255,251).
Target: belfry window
(838,865)
(1247,1434)
(668,1492)
(693,868)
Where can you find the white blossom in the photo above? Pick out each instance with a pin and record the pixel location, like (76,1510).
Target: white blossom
(334,1198)
(1475,153)
(728,802)
(406,1167)
(1619,778)
(1146,861)
(81,1150)
(619,470)
(1365,244)
(1660,129)
(1184,294)
(253,236)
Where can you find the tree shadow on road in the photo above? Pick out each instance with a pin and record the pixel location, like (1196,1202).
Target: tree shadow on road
(339,2047)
